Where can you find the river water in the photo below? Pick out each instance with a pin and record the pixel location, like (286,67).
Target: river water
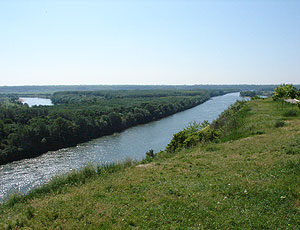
(132,143)
(31,101)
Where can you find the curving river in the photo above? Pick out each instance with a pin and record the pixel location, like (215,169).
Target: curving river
(132,143)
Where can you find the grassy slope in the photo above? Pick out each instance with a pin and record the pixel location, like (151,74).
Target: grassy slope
(248,183)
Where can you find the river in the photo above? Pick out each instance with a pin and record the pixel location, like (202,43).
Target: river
(132,143)
(31,101)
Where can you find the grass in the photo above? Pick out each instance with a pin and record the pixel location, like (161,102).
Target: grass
(248,180)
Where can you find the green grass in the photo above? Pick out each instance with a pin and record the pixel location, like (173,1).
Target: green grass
(249,180)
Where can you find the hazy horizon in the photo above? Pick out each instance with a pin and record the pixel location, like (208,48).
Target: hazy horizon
(149,42)
(229,84)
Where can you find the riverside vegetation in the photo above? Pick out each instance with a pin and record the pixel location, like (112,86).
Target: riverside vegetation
(79,116)
(244,176)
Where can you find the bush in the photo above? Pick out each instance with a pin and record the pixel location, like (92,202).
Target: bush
(279,123)
(192,135)
(255,97)
(150,156)
(150,153)
(228,120)
(290,113)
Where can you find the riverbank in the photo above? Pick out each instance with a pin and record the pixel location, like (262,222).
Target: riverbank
(248,180)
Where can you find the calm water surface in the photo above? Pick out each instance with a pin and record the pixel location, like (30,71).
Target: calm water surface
(31,101)
(132,143)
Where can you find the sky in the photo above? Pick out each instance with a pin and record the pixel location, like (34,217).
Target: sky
(146,42)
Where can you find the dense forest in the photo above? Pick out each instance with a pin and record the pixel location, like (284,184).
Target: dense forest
(79,116)
(254,93)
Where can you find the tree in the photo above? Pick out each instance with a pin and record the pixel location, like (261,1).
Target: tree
(291,91)
(279,92)
(285,91)
(115,121)
(2,133)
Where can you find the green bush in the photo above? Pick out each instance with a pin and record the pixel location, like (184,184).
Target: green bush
(290,113)
(192,135)
(150,153)
(279,123)
(255,97)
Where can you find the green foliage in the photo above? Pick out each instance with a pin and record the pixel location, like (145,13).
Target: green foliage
(150,153)
(279,123)
(150,156)
(192,135)
(255,98)
(292,147)
(223,128)
(14,198)
(285,91)
(279,92)
(230,123)
(290,113)
(291,91)
(256,93)
(57,183)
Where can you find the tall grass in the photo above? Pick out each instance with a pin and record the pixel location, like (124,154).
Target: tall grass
(74,178)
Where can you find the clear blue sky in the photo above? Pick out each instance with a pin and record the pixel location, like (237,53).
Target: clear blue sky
(149,42)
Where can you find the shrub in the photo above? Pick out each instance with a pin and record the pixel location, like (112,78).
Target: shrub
(150,153)
(228,120)
(259,132)
(279,123)
(290,113)
(192,135)
(255,97)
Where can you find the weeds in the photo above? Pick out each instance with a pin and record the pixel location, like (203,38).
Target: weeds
(279,123)
(293,147)
(290,113)
(75,177)
(14,198)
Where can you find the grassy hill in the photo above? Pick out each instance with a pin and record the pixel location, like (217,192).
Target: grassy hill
(248,179)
